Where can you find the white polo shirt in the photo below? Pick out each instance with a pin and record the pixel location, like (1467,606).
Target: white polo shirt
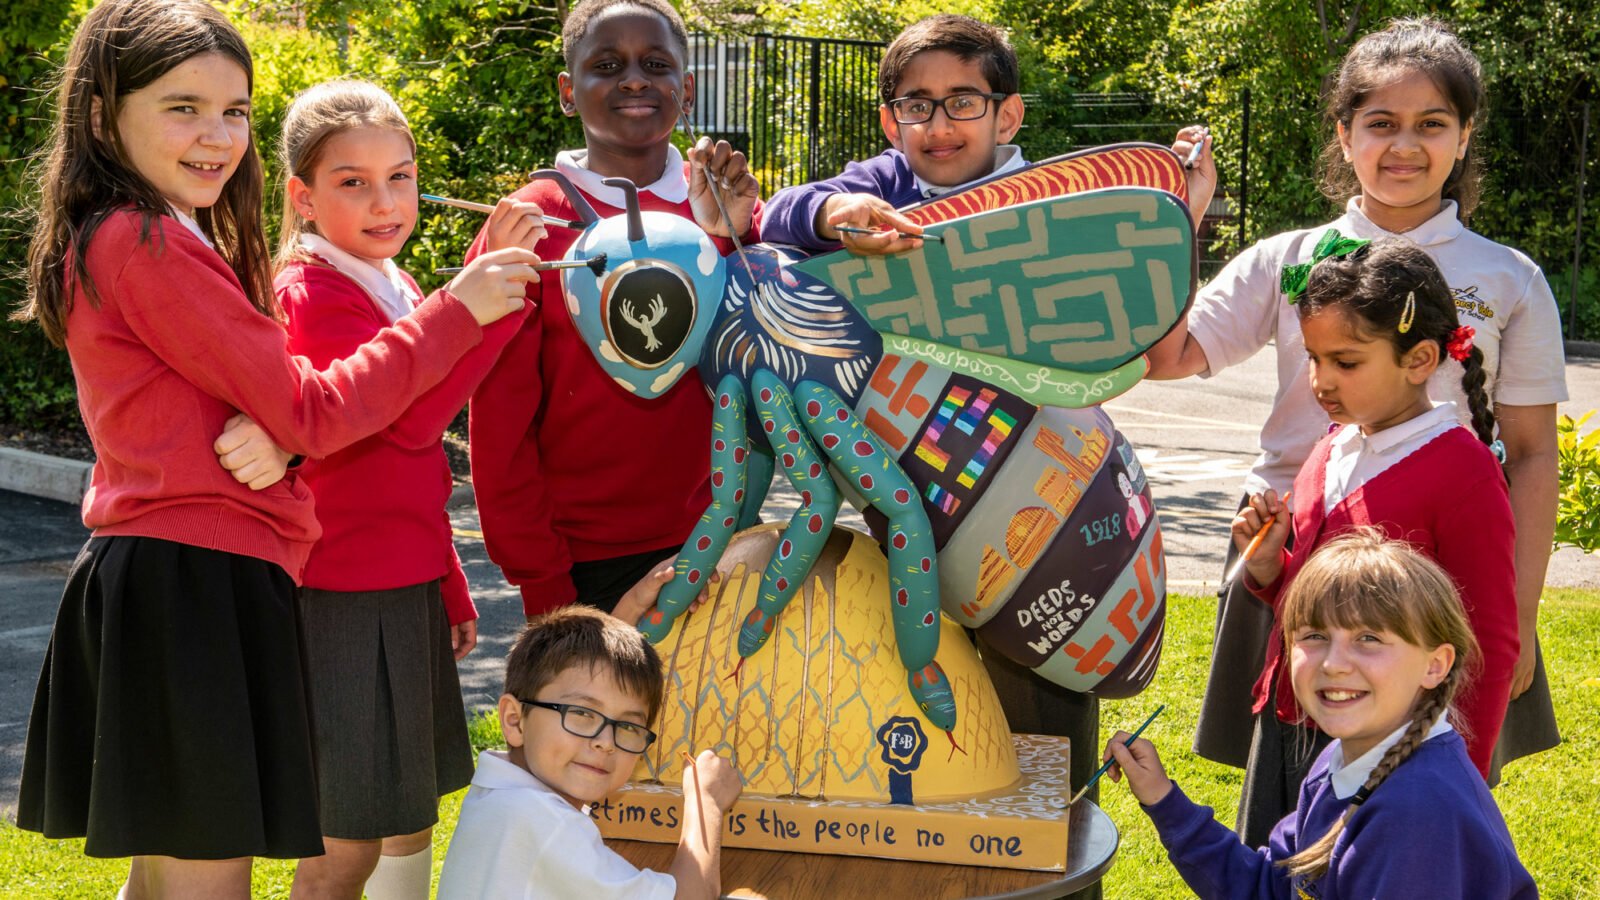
(1498,291)
(519,840)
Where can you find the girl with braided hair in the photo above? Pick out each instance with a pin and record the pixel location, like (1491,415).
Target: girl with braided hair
(1402,115)
(1380,648)
(1377,321)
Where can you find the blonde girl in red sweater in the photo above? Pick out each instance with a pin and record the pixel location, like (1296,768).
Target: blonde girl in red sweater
(384,601)
(171,721)
(1378,319)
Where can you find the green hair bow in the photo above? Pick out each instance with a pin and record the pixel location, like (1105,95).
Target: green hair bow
(1294,279)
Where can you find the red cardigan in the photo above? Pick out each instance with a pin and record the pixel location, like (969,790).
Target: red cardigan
(381,501)
(174,350)
(566,464)
(1449,500)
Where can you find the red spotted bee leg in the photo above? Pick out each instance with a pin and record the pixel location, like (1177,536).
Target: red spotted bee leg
(808,528)
(729,453)
(913,565)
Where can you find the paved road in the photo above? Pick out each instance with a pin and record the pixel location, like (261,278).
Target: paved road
(1196,440)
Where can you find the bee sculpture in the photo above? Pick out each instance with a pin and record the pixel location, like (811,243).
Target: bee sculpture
(951,392)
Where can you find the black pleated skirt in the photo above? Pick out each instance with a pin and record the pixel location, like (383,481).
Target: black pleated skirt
(171,716)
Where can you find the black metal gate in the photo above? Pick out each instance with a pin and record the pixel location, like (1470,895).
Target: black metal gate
(800,108)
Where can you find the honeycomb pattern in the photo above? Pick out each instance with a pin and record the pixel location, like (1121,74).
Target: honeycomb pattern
(801,718)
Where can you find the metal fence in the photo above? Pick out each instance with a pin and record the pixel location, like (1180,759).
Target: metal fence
(800,108)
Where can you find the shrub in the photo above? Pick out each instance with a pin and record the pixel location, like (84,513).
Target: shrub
(1578,509)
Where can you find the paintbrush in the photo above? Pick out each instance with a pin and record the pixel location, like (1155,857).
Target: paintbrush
(705,833)
(1106,766)
(716,194)
(851,229)
(1250,548)
(1194,152)
(595,264)
(488,208)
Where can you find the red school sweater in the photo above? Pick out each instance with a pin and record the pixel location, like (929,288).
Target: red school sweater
(175,349)
(1448,499)
(381,501)
(566,464)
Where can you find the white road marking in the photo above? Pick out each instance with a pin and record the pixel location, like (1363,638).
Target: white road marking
(1186,467)
(1195,420)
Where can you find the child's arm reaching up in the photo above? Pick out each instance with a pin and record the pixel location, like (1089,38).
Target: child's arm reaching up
(710,785)
(1202,173)
(739,188)
(637,601)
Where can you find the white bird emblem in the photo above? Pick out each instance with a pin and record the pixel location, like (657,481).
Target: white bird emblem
(646,327)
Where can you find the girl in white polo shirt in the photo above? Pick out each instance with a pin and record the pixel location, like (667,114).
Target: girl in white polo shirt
(1404,106)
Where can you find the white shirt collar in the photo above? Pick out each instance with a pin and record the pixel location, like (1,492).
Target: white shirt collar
(1444,226)
(1443,415)
(1007,158)
(1347,778)
(671,187)
(193,226)
(393,294)
(497,771)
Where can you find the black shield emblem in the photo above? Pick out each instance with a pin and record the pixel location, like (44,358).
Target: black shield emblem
(649,311)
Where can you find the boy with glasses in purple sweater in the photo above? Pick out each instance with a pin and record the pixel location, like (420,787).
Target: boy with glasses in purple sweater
(950,109)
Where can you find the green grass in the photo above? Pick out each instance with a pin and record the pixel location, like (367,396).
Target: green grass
(1550,800)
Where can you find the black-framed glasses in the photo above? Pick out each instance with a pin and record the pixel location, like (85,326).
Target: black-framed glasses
(957,107)
(587,723)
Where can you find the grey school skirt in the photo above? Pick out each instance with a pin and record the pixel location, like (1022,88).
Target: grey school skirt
(389,726)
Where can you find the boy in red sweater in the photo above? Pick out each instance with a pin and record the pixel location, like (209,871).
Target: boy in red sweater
(581,486)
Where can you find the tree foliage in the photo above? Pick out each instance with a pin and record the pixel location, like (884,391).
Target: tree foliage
(35,378)
(476,79)
(478,82)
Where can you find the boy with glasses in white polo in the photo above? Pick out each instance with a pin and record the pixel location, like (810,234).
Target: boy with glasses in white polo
(581,691)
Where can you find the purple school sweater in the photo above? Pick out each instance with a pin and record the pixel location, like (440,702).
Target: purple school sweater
(1430,830)
(790,216)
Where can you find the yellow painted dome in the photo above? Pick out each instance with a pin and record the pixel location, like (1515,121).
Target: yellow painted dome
(822,710)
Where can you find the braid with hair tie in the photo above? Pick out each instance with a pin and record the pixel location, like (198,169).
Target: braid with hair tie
(1312,863)
(1472,381)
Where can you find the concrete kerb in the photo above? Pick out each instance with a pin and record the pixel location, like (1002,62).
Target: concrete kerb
(66,480)
(1585,349)
(39,475)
